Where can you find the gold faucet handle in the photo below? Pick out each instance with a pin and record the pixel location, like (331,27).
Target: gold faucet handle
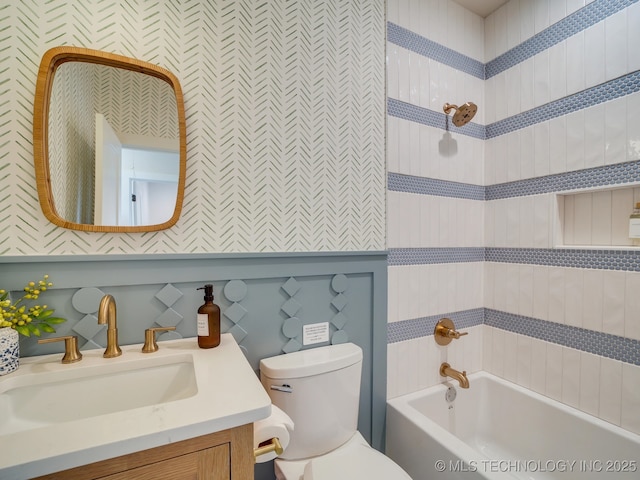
(71,352)
(456,334)
(445,331)
(150,344)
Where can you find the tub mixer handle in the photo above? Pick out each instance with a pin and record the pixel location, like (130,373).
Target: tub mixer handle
(445,331)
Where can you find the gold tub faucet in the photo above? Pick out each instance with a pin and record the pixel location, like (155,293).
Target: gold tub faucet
(107,314)
(461,377)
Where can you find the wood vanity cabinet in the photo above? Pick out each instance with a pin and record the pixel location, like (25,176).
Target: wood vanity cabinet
(224,455)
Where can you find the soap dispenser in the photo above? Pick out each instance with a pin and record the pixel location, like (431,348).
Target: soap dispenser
(208,320)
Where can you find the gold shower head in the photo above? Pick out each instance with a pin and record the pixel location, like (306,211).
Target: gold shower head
(464,113)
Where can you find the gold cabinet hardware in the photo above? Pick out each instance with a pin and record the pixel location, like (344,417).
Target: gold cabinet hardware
(445,331)
(150,344)
(272,445)
(71,352)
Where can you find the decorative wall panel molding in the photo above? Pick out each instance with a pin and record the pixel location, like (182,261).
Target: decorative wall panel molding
(235,291)
(292,326)
(285,119)
(251,290)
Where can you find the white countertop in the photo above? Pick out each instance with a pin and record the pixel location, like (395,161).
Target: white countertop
(229,395)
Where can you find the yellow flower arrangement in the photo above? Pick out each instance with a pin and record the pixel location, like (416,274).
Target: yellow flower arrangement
(28,320)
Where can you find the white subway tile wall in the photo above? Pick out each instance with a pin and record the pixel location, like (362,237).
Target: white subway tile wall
(595,130)
(414,364)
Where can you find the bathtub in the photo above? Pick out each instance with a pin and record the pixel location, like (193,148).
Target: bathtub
(496,429)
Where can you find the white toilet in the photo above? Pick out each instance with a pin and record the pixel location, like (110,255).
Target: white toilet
(319,389)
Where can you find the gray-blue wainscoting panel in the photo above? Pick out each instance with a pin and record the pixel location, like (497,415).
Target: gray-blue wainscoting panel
(265,299)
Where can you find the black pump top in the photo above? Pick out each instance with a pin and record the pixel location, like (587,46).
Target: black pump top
(208,292)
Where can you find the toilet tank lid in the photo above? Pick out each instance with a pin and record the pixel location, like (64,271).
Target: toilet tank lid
(313,361)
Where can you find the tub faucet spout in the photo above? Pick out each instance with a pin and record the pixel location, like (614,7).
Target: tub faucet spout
(461,377)
(107,314)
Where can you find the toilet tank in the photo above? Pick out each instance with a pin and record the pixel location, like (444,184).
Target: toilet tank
(319,389)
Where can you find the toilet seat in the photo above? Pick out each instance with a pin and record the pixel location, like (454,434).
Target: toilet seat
(355,460)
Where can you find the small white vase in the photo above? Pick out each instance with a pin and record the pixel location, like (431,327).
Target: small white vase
(9,350)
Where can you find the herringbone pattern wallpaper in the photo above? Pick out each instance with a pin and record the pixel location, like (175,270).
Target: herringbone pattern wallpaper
(131,102)
(72,149)
(285,120)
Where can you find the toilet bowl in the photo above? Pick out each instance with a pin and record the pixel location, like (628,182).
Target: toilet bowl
(355,460)
(319,389)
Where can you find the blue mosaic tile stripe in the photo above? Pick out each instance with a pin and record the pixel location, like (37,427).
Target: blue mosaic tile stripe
(576,22)
(428,48)
(607,175)
(425,116)
(598,343)
(616,88)
(424,326)
(616,174)
(432,186)
(623,260)
(429,256)
(604,92)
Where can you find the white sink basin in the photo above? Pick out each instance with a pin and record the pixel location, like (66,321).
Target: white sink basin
(63,396)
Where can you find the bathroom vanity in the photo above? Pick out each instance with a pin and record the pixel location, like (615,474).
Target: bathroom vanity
(223,455)
(180,412)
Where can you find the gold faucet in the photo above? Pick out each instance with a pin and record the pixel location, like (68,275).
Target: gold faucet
(461,377)
(107,314)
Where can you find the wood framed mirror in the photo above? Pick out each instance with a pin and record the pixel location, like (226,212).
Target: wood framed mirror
(109,139)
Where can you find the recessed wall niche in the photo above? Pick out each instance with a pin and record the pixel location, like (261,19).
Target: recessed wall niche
(595,218)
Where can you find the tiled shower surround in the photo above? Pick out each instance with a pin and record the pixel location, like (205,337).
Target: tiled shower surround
(475,221)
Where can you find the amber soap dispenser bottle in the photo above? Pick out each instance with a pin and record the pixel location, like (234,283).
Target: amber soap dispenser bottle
(208,320)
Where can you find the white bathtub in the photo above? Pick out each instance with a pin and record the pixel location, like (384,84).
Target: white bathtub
(496,429)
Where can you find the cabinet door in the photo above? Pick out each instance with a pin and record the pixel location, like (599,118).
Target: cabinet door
(209,464)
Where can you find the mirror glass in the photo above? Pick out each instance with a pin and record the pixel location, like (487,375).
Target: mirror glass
(111,147)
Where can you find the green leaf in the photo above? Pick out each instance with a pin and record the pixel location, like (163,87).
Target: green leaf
(45,314)
(47,328)
(34,329)
(56,320)
(23,330)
